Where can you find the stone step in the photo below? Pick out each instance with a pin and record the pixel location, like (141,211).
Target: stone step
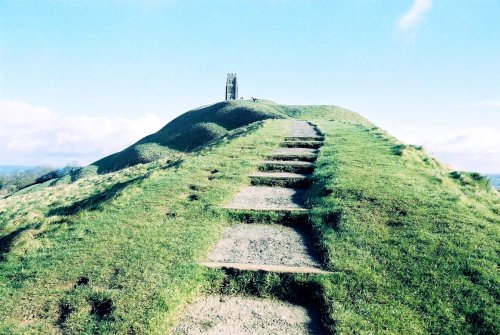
(294,154)
(268,247)
(302,144)
(287,166)
(305,138)
(285,179)
(263,267)
(244,315)
(266,198)
(302,129)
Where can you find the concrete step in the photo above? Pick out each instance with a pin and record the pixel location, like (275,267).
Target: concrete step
(305,138)
(266,198)
(294,154)
(284,179)
(263,267)
(287,166)
(302,129)
(302,144)
(265,245)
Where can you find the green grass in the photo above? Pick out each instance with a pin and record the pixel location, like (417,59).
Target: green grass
(413,246)
(417,245)
(133,237)
(190,131)
(331,113)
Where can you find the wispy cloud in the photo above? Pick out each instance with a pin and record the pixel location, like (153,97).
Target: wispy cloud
(464,148)
(409,19)
(32,135)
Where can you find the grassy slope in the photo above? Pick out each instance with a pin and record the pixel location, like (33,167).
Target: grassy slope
(414,250)
(417,249)
(188,132)
(135,235)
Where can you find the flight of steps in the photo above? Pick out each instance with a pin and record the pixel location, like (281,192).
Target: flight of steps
(278,186)
(281,244)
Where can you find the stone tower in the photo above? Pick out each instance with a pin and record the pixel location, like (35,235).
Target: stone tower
(231,87)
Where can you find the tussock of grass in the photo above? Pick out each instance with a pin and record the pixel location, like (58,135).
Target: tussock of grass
(399,149)
(471,179)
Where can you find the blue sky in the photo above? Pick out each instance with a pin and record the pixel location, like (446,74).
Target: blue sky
(80,79)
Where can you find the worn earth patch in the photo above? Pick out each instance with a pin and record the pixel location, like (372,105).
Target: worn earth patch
(263,244)
(213,315)
(268,198)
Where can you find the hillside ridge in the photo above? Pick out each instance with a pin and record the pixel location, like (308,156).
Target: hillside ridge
(408,245)
(203,125)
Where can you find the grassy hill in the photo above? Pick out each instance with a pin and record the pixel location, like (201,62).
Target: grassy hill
(189,132)
(413,246)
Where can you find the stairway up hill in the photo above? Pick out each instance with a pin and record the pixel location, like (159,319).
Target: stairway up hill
(386,239)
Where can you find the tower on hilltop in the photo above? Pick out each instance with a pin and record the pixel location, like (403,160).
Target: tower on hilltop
(231,87)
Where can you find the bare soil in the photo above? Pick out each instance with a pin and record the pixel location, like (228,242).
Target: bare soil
(295,152)
(268,198)
(302,129)
(211,315)
(264,244)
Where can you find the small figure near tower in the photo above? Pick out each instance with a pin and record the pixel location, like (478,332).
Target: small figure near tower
(231,87)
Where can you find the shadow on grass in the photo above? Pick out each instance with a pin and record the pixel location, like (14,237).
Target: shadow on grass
(172,164)
(7,240)
(93,202)
(190,132)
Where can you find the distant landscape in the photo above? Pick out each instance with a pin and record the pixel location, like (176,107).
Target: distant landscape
(495,180)
(17,177)
(9,169)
